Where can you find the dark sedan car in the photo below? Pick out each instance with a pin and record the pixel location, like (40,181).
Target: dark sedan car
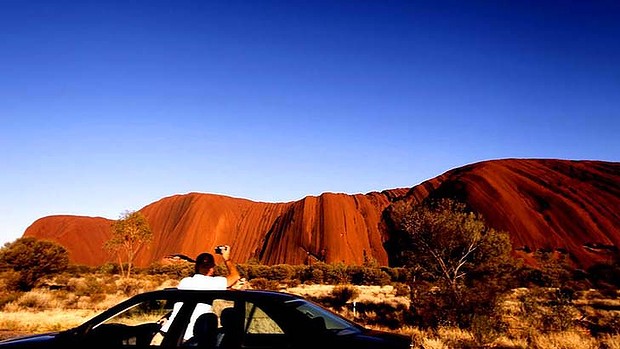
(175,318)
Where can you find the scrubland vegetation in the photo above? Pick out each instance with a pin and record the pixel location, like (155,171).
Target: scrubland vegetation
(457,286)
(532,317)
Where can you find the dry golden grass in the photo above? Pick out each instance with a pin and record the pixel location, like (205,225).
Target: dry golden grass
(41,299)
(43,321)
(611,342)
(367,294)
(43,310)
(564,340)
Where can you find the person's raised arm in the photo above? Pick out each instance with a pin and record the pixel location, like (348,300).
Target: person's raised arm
(233,274)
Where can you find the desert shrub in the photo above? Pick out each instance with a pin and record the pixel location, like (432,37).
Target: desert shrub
(163,280)
(374,276)
(33,259)
(10,280)
(264,284)
(77,270)
(563,339)
(7,297)
(38,300)
(335,274)
(315,276)
(173,270)
(242,269)
(435,305)
(356,274)
(386,314)
(129,287)
(62,280)
(401,289)
(553,270)
(300,272)
(605,275)
(332,274)
(610,342)
(465,265)
(109,268)
(396,274)
(281,272)
(486,328)
(602,324)
(321,273)
(342,294)
(97,298)
(315,273)
(255,271)
(85,286)
(218,270)
(291,283)
(548,310)
(129,233)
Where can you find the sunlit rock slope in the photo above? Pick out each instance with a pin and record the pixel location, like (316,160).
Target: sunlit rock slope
(570,206)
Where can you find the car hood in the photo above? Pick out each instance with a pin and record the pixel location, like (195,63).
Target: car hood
(34,341)
(381,339)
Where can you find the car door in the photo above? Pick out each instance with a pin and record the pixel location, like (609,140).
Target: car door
(135,326)
(261,330)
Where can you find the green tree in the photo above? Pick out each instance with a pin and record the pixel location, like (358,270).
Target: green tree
(129,234)
(465,265)
(33,259)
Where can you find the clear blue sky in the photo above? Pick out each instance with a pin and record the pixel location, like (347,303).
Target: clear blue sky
(107,106)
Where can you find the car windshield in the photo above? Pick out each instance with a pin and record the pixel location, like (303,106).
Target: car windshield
(323,317)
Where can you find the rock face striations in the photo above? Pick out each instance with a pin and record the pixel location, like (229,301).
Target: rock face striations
(329,228)
(570,206)
(555,205)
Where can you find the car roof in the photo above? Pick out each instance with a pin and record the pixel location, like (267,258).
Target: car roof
(249,294)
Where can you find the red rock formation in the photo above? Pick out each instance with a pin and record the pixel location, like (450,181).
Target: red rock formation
(571,206)
(83,237)
(542,203)
(330,228)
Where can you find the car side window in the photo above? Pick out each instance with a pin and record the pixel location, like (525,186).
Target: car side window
(135,326)
(260,330)
(257,321)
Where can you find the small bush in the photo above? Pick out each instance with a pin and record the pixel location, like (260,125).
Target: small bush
(281,272)
(487,328)
(86,286)
(342,294)
(264,284)
(548,310)
(368,276)
(98,298)
(25,256)
(109,268)
(316,276)
(37,300)
(336,274)
(255,271)
(383,314)
(10,281)
(77,270)
(401,290)
(176,270)
(7,297)
(129,287)
(291,283)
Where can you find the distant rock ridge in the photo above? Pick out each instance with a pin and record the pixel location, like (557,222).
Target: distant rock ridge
(563,205)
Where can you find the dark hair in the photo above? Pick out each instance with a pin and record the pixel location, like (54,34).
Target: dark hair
(204,262)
